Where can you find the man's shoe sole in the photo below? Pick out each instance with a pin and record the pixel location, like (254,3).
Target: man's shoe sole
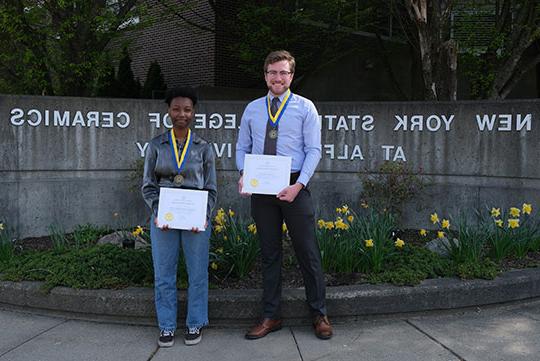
(323,337)
(255,337)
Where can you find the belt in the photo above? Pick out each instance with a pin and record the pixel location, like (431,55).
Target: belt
(294,177)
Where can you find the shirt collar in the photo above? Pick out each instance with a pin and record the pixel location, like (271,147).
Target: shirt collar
(281,97)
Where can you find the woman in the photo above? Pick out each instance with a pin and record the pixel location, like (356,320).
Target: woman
(191,166)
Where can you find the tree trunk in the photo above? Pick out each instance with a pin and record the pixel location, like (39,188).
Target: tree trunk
(538,80)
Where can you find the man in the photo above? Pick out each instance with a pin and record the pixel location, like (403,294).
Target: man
(285,124)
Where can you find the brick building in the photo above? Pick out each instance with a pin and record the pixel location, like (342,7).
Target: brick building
(191,46)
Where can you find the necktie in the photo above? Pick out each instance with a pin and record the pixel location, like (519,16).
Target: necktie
(270,144)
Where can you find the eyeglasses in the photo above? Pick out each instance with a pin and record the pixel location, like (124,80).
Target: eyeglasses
(281,73)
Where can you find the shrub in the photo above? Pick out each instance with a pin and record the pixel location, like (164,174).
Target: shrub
(391,187)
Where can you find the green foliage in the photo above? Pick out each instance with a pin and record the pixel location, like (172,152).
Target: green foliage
(494,42)
(106,83)
(59,47)
(154,85)
(58,237)
(392,186)
(339,253)
(505,240)
(87,234)
(235,246)
(126,85)
(317,31)
(410,266)
(515,231)
(104,266)
(356,243)
(468,247)
(6,244)
(375,226)
(485,269)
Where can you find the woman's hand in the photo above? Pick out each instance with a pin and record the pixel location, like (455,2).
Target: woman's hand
(196,230)
(164,227)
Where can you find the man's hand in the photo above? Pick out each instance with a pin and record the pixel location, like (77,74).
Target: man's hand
(288,194)
(240,186)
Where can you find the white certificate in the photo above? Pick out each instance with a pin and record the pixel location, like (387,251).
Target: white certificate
(182,208)
(266,174)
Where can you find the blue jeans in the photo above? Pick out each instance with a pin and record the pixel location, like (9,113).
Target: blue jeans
(165,250)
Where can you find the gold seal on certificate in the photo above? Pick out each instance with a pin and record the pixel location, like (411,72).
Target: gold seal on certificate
(273,133)
(168,216)
(254,182)
(178,179)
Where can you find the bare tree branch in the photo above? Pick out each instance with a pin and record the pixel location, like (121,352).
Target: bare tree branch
(176,12)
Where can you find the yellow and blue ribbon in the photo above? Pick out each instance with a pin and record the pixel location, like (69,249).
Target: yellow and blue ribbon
(274,119)
(179,159)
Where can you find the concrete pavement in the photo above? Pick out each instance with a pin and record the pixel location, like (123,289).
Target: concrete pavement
(508,332)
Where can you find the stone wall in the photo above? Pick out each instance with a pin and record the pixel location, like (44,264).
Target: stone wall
(68,161)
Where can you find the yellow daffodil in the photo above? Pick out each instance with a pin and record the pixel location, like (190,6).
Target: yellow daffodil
(252,228)
(423,232)
(284,228)
(231,213)
(495,212)
(364,205)
(225,237)
(445,224)
(350,218)
(220,217)
(368,243)
(214,266)
(513,223)
(514,212)
(345,209)
(218,228)
(440,234)
(527,208)
(399,243)
(237,238)
(321,223)
(219,250)
(338,210)
(138,230)
(339,224)
(499,222)
(434,218)
(329,225)
(1,226)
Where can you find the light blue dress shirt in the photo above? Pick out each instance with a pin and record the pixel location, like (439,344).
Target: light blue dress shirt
(299,134)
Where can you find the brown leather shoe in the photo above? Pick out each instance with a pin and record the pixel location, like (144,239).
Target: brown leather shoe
(323,329)
(263,328)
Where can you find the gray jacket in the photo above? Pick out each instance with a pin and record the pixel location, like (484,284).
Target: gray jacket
(199,170)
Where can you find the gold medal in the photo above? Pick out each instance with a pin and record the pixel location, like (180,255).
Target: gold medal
(178,179)
(273,133)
